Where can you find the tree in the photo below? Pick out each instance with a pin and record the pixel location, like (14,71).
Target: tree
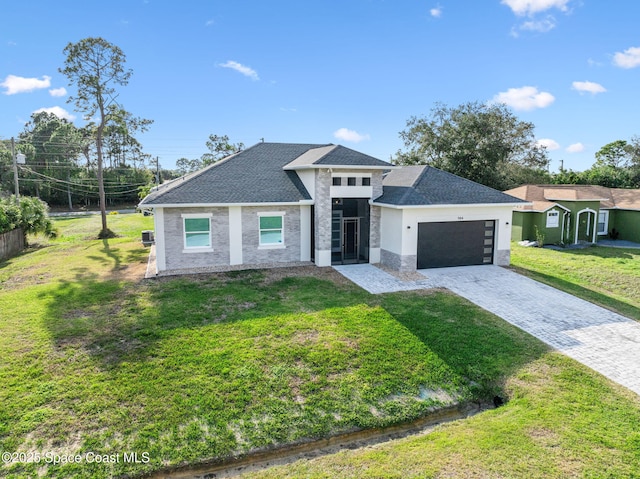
(52,146)
(607,175)
(615,154)
(95,67)
(185,165)
(219,147)
(484,143)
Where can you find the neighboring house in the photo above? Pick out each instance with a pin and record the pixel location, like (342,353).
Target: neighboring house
(576,213)
(326,204)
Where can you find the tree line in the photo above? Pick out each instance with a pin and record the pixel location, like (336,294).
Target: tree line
(60,166)
(490,145)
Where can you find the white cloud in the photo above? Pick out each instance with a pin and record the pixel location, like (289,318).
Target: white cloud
(436,12)
(531,7)
(240,68)
(542,26)
(588,87)
(548,143)
(525,98)
(15,84)
(62,91)
(575,148)
(57,111)
(630,58)
(208,23)
(350,135)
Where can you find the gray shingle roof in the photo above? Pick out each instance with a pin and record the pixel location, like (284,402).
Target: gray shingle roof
(343,156)
(254,175)
(425,185)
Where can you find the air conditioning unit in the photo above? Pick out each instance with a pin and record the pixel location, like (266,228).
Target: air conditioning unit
(147,237)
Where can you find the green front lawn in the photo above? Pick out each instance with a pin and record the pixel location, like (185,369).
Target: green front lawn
(562,421)
(609,277)
(197,368)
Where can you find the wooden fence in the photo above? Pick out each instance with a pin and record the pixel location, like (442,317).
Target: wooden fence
(11,243)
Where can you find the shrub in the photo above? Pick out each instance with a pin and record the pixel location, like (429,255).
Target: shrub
(9,215)
(31,214)
(539,237)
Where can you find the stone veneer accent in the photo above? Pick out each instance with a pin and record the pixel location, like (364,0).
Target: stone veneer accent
(174,239)
(322,220)
(376,183)
(375,213)
(251,251)
(398,262)
(503,257)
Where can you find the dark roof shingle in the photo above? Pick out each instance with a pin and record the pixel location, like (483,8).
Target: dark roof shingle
(254,175)
(425,185)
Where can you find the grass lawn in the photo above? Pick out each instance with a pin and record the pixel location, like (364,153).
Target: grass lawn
(562,421)
(196,368)
(609,277)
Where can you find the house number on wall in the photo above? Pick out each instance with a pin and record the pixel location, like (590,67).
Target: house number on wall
(460,218)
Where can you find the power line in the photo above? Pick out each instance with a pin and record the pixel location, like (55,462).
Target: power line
(80,191)
(58,180)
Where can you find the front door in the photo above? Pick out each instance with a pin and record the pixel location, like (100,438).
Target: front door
(350,239)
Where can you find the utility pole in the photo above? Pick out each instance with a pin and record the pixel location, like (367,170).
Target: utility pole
(157,170)
(15,169)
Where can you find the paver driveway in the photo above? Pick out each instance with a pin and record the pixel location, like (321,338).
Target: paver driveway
(605,341)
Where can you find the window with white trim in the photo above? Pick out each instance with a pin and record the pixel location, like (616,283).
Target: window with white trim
(197,231)
(271,229)
(603,222)
(553,219)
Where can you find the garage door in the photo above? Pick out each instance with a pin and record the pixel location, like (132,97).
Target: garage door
(459,243)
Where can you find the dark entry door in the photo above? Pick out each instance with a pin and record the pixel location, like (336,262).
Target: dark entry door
(459,243)
(350,239)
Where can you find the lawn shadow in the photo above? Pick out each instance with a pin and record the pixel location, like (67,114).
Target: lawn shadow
(477,345)
(115,320)
(118,321)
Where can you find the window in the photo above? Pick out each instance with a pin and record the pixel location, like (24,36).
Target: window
(351,181)
(553,219)
(337,181)
(197,232)
(603,222)
(271,230)
(366,181)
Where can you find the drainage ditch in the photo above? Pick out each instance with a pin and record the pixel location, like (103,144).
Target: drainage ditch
(265,458)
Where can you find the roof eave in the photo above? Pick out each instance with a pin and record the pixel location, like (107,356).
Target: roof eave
(575,199)
(341,167)
(449,205)
(216,205)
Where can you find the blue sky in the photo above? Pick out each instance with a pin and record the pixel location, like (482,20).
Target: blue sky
(349,72)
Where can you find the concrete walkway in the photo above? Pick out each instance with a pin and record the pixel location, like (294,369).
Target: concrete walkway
(605,341)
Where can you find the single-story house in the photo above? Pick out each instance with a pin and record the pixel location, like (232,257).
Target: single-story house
(572,214)
(326,204)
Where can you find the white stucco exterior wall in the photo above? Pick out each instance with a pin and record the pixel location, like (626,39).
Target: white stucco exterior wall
(399,229)
(158,222)
(305,232)
(235,235)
